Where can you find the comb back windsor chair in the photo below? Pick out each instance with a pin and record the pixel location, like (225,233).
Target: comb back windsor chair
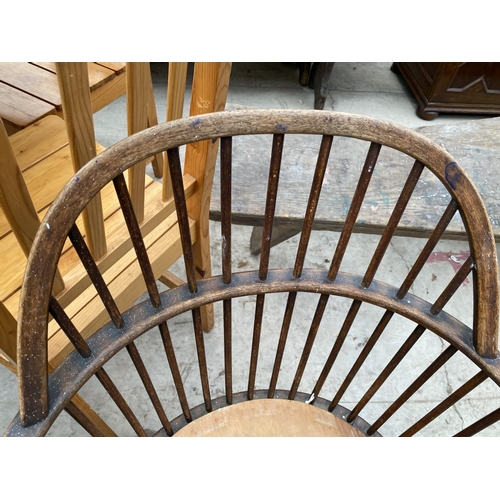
(44,396)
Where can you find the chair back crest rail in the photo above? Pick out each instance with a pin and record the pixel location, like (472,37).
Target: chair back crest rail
(41,402)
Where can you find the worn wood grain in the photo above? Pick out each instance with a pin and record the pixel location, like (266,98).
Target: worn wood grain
(75,96)
(20,109)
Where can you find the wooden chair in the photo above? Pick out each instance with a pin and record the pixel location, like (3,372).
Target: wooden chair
(303,377)
(38,161)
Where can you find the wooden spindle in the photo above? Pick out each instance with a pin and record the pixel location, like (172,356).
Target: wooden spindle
(470,385)
(95,275)
(254,353)
(119,400)
(226,203)
(285,327)
(321,164)
(148,385)
(393,222)
(174,369)
(202,359)
(446,218)
(380,328)
(339,342)
(177,74)
(440,361)
(80,417)
(480,425)
(182,217)
(453,286)
(312,204)
(137,240)
(68,328)
(391,366)
(306,351)
(272,192)
(352,215)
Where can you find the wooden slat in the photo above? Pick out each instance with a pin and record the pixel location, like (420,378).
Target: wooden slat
(44,182)
(15,200)
(8,333)
(75,95)
(20,109)
(177,73)
(39,141)
(210,85)
(104,95)
(117,67)
(137,120)
(99,75)
(33,80)
(17,207)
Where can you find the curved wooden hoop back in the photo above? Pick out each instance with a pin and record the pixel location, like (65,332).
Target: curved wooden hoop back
(40,271)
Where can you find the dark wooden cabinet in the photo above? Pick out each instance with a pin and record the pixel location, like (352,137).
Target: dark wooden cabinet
(461,87)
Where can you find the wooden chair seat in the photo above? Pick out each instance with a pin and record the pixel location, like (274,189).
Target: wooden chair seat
(269,418)
(30,91)
(274,363)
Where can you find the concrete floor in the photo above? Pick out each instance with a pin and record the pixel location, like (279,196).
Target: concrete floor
(364,88)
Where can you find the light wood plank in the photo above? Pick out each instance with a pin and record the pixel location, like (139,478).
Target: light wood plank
(106,94)
(20,109)
(117,67)
(39,141)
(210,85)
(8,334)
(33,80)
(75,96)
(138,77)
(177,74)
(99,75)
